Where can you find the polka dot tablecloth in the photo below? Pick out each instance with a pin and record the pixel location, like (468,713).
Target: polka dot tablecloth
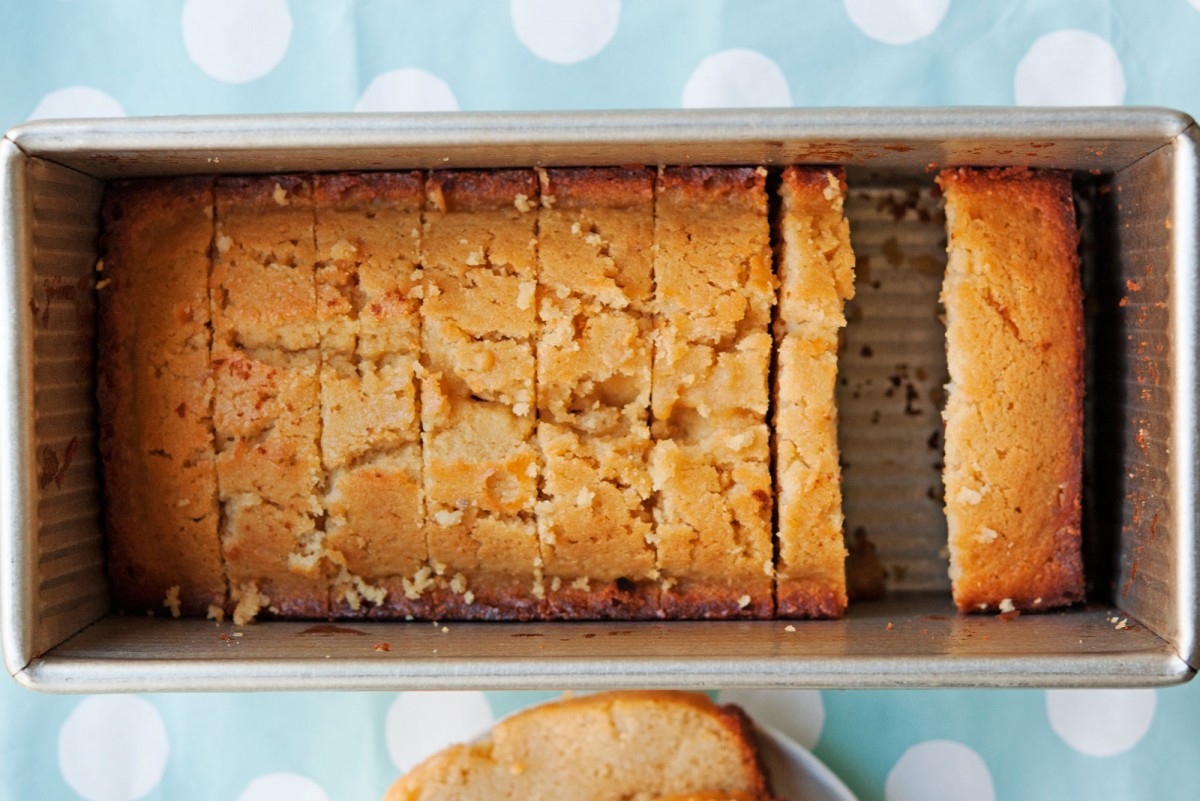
(140,57)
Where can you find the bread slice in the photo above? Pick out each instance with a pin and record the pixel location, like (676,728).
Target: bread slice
(714,291)
(155,387)
(595,230)
(1014,342)
(608,747)
(478,404)
(816,272)
(267,410)
(368,236)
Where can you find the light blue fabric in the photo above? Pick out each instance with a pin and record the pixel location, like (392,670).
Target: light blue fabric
(134,52)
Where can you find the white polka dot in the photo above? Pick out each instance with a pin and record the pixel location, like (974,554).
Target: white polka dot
(939,770)
(407,90)
(283,787)
(897,22)
(236,40)
(736,79)
(1070,68)
(565,33)
(113,748)
(800,714)
(422,723)
(1101,723)
(77,101)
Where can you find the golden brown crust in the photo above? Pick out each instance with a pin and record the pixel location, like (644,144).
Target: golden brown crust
(798,600)
(258,192)
(751,599)
(477,190)
(1014,413)
(735,186)
(155,396)
(609,600)
(404,191)
(610,187)
(491,598)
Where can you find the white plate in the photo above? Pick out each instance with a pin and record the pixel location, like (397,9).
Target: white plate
(795,773)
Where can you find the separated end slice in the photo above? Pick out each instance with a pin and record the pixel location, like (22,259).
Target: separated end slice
(1014,413)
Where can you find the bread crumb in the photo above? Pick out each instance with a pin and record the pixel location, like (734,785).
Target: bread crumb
(171,601)
(382,646)
(445,629)
(354,590)
(986,536)
(103,282)
(469,597)
(224,243)
(522,203)
(1037,601)
(969,496)
(421,581)
(584,498)
(538,590)
(216,613)
(525,294)
(343,250)
(444,517)
(532,470)
(760,171)
(1123,624)
(582,583)
(555,584)
(743,601)
(458,584)
(99,265)
(594,240)
(520,410)
(280,195)
(1006,605)
(832,187)
(576,228)
(475,258)
(789,628)
(249,603)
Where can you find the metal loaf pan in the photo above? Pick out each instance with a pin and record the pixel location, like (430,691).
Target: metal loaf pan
(1137,190)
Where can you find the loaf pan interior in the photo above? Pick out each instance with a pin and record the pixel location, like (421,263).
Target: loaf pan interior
(1135,177)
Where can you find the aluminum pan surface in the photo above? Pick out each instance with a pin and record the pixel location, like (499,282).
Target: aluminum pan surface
(133,655)
(1103,138)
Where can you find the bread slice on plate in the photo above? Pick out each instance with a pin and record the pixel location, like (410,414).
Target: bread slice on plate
(607,747)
